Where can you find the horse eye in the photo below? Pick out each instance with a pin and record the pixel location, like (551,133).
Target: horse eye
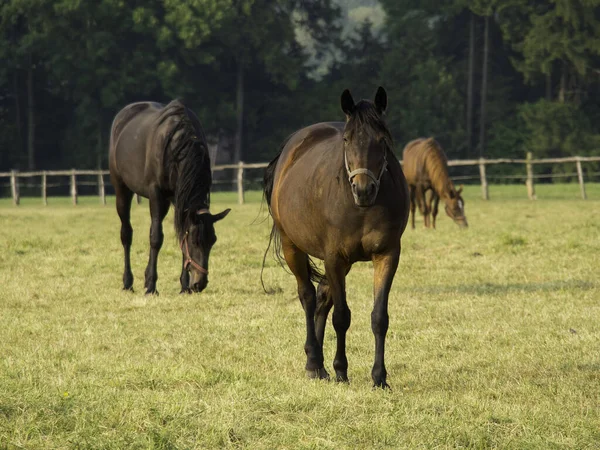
(345,140)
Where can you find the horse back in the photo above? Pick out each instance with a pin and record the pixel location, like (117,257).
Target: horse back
(136,146)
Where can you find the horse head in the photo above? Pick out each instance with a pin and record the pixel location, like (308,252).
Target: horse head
(366,144)
(196,244)
(455,207)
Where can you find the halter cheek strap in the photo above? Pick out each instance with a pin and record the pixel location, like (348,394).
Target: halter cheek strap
(376,180)
(186,253)
(188,259)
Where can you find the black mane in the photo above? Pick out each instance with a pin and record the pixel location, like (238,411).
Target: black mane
(187,164)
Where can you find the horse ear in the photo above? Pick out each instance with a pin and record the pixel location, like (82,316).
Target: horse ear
(347,103)
(459,190)
(221,215)
(381,100)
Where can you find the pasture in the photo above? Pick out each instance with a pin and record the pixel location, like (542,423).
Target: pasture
(494,336)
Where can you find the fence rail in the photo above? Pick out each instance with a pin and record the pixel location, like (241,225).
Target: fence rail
(241,167)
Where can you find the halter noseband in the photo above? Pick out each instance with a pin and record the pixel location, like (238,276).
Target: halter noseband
(188,259)
(367,172)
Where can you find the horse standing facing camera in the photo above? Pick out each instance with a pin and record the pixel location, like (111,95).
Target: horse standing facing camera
(336,192)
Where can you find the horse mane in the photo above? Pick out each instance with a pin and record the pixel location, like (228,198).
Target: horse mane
(436,165)
(187,163)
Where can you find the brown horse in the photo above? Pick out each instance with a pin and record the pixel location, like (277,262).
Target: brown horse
(336,192)
(426,168)
(160,152)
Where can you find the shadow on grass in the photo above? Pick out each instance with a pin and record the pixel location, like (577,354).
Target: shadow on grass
(499,289)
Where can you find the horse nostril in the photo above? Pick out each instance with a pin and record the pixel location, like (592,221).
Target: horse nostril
(354,187)
(371,188)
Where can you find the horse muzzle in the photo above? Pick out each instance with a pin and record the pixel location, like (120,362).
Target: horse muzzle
(365,194)
(200,284)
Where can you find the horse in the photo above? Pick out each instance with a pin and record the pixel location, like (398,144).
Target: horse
(160,153)
(336,192)
(426,168)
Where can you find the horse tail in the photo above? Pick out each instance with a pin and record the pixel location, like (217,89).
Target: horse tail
(316,275)
(269,179)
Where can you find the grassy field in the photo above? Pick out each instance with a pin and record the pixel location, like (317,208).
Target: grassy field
(494,337)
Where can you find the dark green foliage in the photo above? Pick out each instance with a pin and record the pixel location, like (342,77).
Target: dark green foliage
(79,61)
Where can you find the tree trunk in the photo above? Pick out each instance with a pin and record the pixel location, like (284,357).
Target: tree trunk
(18,112)
(237,155)
(484,70)
(100,143)
(549,86)
(30,118)
(563,83)
(470,85)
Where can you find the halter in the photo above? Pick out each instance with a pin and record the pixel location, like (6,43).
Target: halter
(367,172)
(188,259)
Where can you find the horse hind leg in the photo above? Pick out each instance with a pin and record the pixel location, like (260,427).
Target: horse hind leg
(298,263)
(324,304)
(124,196)
(413,204)
(422,203)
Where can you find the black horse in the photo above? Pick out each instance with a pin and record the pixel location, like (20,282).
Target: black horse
(336,192)
(160,153)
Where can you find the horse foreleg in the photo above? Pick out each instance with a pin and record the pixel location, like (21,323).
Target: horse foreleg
(384,270)
(335,270)
(159,207)
(184,279)
(434,210)
(297,261)
(124,196)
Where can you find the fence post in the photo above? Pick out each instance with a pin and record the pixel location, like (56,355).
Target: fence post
(44,188)
(484,185)
(580,176)
(101,188)
(240,182)
(529,182)
(73,187)
(14,187)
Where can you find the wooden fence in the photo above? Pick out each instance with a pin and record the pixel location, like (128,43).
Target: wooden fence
(241,167)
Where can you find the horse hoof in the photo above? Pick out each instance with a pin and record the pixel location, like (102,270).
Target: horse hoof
(185,291)
(342,378)
(318,374)
(383,385)
(151,292)
(129,289)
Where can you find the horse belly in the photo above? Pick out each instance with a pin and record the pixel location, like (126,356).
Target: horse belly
(298,218)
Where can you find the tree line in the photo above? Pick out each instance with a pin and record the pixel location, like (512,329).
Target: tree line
(487,78)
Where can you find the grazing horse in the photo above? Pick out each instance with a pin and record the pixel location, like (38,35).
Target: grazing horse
(160,153)
(426,168)
(336,192)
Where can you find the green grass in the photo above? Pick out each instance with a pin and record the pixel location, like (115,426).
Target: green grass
(494,338)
